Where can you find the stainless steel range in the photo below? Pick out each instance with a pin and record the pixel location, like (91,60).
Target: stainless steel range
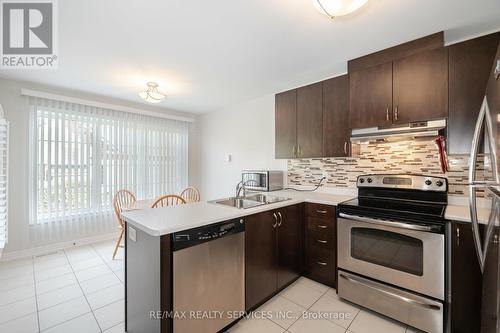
(391,248)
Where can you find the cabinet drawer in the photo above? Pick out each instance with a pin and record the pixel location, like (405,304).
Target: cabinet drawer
(320,239)
(321,264)
(321,211)
(320,225)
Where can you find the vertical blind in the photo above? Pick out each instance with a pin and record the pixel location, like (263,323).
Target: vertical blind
(4,177)
(82,155)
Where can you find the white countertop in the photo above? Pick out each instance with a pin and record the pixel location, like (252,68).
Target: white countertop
(462,214)
(458,209)
(167,220)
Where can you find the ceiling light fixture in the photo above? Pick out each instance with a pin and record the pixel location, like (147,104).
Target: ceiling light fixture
(334,8)
(152,95)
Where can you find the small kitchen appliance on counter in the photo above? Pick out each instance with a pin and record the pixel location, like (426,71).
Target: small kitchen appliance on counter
(391,248)
(262,180)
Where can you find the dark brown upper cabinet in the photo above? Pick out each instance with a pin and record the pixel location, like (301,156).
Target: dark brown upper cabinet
(469,66)
(286,124)
(336,117)
(310,120)
(414,88)
(420,87)
(313,121)
(370,96)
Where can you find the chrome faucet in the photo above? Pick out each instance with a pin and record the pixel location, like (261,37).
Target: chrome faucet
(241,186)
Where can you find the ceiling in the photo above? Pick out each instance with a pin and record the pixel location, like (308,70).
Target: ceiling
(208,55)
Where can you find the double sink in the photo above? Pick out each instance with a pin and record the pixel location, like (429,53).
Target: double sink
(250,201)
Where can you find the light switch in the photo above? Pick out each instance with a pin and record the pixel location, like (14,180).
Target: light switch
(228,158)
(132,234)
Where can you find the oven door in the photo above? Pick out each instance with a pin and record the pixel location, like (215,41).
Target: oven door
(394,253)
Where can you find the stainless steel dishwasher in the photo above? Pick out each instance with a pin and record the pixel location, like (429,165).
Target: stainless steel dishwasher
(209,276)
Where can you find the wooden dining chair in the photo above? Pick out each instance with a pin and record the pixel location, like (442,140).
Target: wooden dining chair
(168,200)
(191,194)
(122,199)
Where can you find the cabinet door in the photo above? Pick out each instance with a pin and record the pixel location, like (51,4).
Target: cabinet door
(469,65)
(420,86)
(286,124)
(465,281)
(336,117)
(310,120)
(260,258)
(370,97)
(289,244)
(489,307)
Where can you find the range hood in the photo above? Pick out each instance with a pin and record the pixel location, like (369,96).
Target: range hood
(414,130)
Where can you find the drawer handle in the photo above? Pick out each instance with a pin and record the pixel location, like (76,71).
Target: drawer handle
(321,211)
(322,241)
(322,226)
(321,263)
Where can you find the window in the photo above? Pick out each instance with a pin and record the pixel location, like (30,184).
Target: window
(82,155)
(4,177)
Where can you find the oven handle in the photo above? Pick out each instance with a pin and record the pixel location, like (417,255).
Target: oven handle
(389,293)
(395,224)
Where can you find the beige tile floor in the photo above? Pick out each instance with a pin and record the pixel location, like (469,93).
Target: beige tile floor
(81,290)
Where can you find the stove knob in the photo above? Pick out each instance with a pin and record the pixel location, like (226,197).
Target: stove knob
(361,180)
(428,182)
(439,183)
(369,180)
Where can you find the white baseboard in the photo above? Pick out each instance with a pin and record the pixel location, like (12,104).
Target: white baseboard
(36,251)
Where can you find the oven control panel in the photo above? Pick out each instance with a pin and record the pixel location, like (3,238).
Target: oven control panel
(412,182)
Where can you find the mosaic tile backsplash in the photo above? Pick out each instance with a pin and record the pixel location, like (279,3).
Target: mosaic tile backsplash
(403,157)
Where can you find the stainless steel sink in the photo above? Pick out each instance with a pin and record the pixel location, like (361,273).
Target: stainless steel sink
(241,203)
(250,201)
(267,199)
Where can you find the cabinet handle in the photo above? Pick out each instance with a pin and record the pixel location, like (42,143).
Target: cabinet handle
(322,226)
(276,220)
(497,70)
(387,114)
(495,239)
(345,147)
(321,263)
(396,113)
(281,219)
(293,151)
(322,241)
(299,151)
(458,236)
(322,211)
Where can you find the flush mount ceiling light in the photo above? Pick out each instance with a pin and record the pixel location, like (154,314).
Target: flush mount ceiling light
(334,8)
(152,95)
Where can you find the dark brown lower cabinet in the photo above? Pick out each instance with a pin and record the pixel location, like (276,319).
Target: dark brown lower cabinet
(272,253)
(489,310)
(466,281)
(289,245)
(321,244)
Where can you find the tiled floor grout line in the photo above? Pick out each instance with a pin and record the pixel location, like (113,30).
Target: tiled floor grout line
(106,263)
(114,325)
(36,296)
(83,292)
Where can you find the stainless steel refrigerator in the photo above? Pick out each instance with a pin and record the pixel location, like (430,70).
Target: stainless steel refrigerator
(486,180)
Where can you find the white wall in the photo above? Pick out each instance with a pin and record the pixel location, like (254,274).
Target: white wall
(21,235)
(246,132)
